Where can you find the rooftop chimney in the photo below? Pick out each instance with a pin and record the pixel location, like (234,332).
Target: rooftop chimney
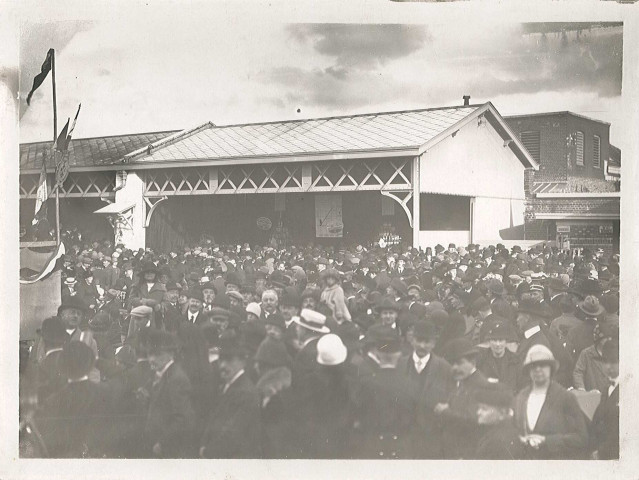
(466,100)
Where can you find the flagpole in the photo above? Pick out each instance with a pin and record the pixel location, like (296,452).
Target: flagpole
(55,136)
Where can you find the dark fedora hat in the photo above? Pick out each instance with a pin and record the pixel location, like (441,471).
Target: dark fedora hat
(196,293)
(383,338)
(388,303)
(459,348)
(53,331)
(149,267)
(424,330)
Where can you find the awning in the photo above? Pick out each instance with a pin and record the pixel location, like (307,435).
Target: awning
(115,207)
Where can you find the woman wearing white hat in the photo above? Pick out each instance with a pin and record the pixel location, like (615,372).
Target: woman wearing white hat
(549,420)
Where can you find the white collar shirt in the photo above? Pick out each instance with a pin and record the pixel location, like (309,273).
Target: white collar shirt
(420,363)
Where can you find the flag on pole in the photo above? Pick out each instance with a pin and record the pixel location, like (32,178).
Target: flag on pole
(73,124)
(62,147)
(42,194)
(39,78)
(62,142)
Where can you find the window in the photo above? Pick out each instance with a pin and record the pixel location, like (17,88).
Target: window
(531,142)
(596,152)
(579,148)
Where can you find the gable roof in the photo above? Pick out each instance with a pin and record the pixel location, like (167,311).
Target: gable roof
(387,133)
(402,133)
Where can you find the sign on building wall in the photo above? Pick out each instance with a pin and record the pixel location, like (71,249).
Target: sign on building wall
(328,216)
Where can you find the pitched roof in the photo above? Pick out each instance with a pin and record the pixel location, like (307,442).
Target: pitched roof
(347,134)
(89,152)
(403,132)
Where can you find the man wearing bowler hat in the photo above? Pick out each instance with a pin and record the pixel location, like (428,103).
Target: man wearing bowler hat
(193,313)
(431,379)
(461,431)
(170,420)
(234,428)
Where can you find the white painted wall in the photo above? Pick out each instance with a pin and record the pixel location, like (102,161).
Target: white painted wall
(492,215)
(474,163)
(444,237)
(132,193)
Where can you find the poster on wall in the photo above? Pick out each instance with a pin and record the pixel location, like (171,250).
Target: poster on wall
(328,216)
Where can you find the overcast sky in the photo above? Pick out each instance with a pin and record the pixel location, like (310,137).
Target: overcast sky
(176,71)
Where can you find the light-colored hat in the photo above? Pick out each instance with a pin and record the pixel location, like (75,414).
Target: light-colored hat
(255,309)
(331,350)
(70,281)
(312,320)
(540,354)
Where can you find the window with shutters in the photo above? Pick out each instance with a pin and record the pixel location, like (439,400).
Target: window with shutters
(531,142)
(579,148)
(596,151)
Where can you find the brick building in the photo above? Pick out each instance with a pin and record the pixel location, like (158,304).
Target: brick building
(574,197)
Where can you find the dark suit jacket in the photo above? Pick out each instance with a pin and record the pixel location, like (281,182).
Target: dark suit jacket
(171,419)
(234,427)
(461,432)
(505,369)
(604,430)
(73,421)
(172,317)
(561,421)
(304,364)
(430,387)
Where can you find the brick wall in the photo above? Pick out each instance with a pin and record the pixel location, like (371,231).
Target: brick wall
(552,146)
(575,205)
(557,154)
(581,184)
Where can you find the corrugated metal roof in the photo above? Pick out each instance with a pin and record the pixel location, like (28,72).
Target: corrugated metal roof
(89,152)
(378,131)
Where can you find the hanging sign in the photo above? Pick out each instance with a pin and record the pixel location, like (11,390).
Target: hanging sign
(328,216)
(264,223)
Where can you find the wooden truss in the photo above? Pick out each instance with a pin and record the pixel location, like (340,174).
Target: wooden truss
(342,176)
(77,184)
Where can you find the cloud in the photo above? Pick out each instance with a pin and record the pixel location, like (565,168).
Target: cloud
(361,46)
(35,41)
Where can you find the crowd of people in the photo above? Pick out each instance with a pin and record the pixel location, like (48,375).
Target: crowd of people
(239,351)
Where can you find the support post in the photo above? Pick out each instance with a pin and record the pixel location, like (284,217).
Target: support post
(416,201)
(55,137)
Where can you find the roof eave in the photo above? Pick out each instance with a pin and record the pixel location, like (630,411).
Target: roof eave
(527,160)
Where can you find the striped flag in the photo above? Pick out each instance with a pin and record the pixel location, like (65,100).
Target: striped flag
(39,78)
(62,146)
(42,194)
(53,263)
